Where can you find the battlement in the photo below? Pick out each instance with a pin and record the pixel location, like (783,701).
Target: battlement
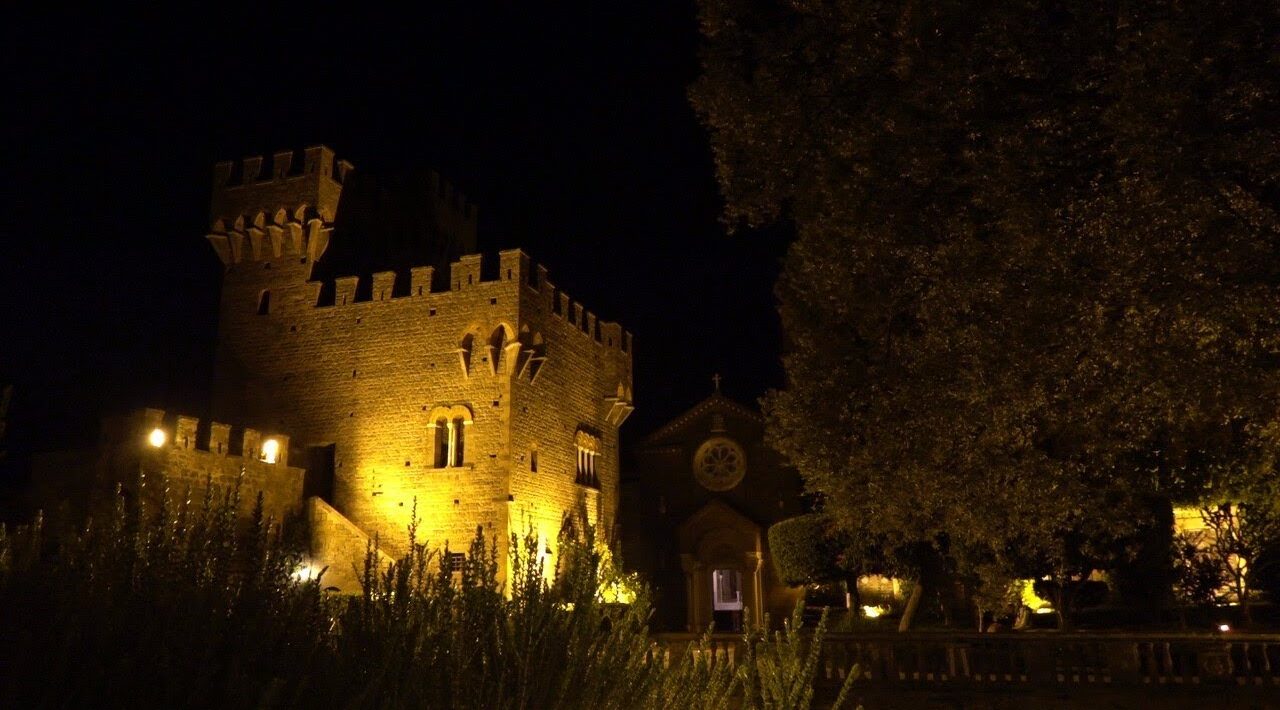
(309,180)
(298,233)
(478,271)
(163,432)
(301,187)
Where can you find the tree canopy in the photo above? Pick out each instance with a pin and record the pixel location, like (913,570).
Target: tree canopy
(1036,269)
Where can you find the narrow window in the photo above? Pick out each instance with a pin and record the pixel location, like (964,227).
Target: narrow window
(264,302)
(533,460)
(456,429)
(457,560)
(442,444)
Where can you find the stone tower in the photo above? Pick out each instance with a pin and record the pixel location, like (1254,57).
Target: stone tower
(491,400)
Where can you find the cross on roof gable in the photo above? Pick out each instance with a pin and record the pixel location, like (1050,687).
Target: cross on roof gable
(716,402)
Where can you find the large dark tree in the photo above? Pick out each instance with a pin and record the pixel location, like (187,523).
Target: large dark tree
(1036,274)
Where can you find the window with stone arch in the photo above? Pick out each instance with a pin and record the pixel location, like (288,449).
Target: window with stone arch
(502,347)
(466,344)
(448,435)
(588,446)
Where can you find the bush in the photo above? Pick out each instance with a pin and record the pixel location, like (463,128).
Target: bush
(185,607)
(1199,577)
(803,551)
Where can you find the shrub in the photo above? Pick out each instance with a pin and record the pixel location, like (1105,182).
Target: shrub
(187,607)
(1199,577)
(803,552)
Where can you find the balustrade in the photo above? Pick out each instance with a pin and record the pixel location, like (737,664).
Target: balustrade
(1028,660)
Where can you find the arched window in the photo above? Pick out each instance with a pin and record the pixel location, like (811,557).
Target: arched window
(588,446)
(465,346)
(497,344)
(264,302)
(449,435)
(458,426)
(441,443)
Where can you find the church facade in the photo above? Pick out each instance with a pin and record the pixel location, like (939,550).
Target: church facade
(701,492)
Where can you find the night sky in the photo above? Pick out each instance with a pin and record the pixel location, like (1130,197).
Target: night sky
(568,126)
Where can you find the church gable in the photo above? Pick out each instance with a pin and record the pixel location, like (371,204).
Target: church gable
(716,413)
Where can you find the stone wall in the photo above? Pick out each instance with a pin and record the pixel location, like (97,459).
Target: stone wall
(352,365)
(191,458)
(339,547)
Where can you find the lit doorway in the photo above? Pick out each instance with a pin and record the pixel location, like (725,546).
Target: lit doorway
(726,599)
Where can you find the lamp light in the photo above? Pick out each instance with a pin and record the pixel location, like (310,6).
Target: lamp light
(270,451)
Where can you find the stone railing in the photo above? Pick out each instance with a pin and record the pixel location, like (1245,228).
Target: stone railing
(1033,661)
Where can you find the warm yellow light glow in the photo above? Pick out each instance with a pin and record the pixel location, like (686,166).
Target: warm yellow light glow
(874,612)
(306,572)
(157,437)
(270,451)
(616,587)
(1033,601)
(617,592)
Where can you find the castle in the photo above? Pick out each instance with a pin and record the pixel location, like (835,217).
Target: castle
(470,393)
(459,394)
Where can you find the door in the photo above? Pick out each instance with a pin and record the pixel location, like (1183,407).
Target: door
(726,599)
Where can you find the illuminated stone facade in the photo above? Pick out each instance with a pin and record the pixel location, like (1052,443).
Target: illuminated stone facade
(470,400)
(151,454)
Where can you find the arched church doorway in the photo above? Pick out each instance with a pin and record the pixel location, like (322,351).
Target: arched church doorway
(720,552)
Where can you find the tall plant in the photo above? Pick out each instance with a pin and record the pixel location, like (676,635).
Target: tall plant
(188,604)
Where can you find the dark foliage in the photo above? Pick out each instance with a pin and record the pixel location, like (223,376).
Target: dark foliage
(189,607)
(803,551)
(1034,280)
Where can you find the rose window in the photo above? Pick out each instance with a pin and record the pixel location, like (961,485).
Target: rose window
(719,464)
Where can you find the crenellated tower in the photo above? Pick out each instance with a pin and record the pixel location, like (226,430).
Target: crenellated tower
(475,392)
(269,227)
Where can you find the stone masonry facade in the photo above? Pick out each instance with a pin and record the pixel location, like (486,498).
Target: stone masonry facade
(495,403)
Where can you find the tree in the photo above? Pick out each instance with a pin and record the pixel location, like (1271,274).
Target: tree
(1033,280)
(1198,575)
(803,552)
(811,549)
(1236,536)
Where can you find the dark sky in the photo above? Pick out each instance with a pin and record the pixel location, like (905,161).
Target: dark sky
(568,126)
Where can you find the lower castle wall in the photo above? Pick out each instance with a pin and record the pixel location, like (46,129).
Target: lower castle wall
(188,472)
(338,548)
